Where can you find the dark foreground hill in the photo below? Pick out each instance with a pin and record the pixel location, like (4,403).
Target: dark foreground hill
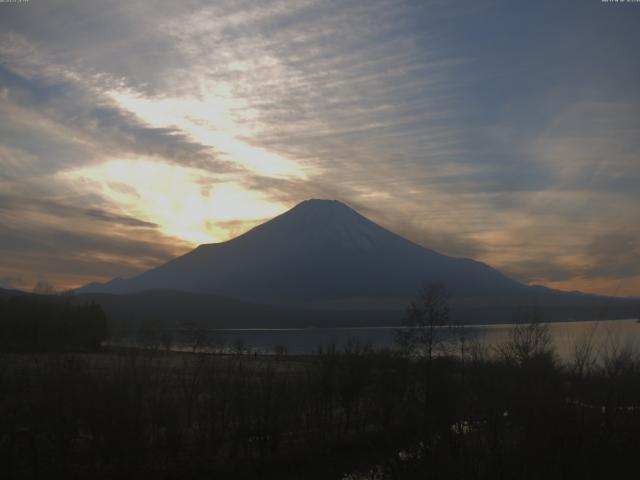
(8,293)
(173,309)
(163,309)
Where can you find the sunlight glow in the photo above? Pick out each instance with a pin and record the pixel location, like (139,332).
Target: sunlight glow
(184,202)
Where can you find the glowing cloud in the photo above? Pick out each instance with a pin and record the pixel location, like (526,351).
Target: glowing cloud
(184,202)
(210,121)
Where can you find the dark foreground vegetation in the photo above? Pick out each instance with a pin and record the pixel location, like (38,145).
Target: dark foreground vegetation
(511,413)
(438,406)
(41,323)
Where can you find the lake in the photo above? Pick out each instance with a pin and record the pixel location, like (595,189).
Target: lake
(604,335)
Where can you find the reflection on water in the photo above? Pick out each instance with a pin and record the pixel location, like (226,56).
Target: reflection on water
(602,335)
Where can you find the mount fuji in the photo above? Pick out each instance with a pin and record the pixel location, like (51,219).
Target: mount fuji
(321,252)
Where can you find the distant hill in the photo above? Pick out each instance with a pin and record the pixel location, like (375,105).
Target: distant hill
(159,309)
(8,293)
(174,309)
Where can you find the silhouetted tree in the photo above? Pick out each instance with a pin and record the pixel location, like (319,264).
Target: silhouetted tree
(421,334)
(530,341)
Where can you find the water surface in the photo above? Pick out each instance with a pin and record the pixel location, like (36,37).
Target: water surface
(603,335)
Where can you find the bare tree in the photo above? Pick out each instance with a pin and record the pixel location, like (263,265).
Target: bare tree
(166,340)
(196,335)
(528,341)
(420,333)
(461,339)
(585,353)
(280,350)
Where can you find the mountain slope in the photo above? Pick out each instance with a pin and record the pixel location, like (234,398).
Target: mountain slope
(318,251)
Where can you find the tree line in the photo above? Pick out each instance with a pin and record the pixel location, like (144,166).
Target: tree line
(43,323)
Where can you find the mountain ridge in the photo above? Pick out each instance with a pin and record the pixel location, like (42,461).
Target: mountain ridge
(320,250)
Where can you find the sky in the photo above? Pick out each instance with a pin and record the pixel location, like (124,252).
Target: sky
(508,132)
